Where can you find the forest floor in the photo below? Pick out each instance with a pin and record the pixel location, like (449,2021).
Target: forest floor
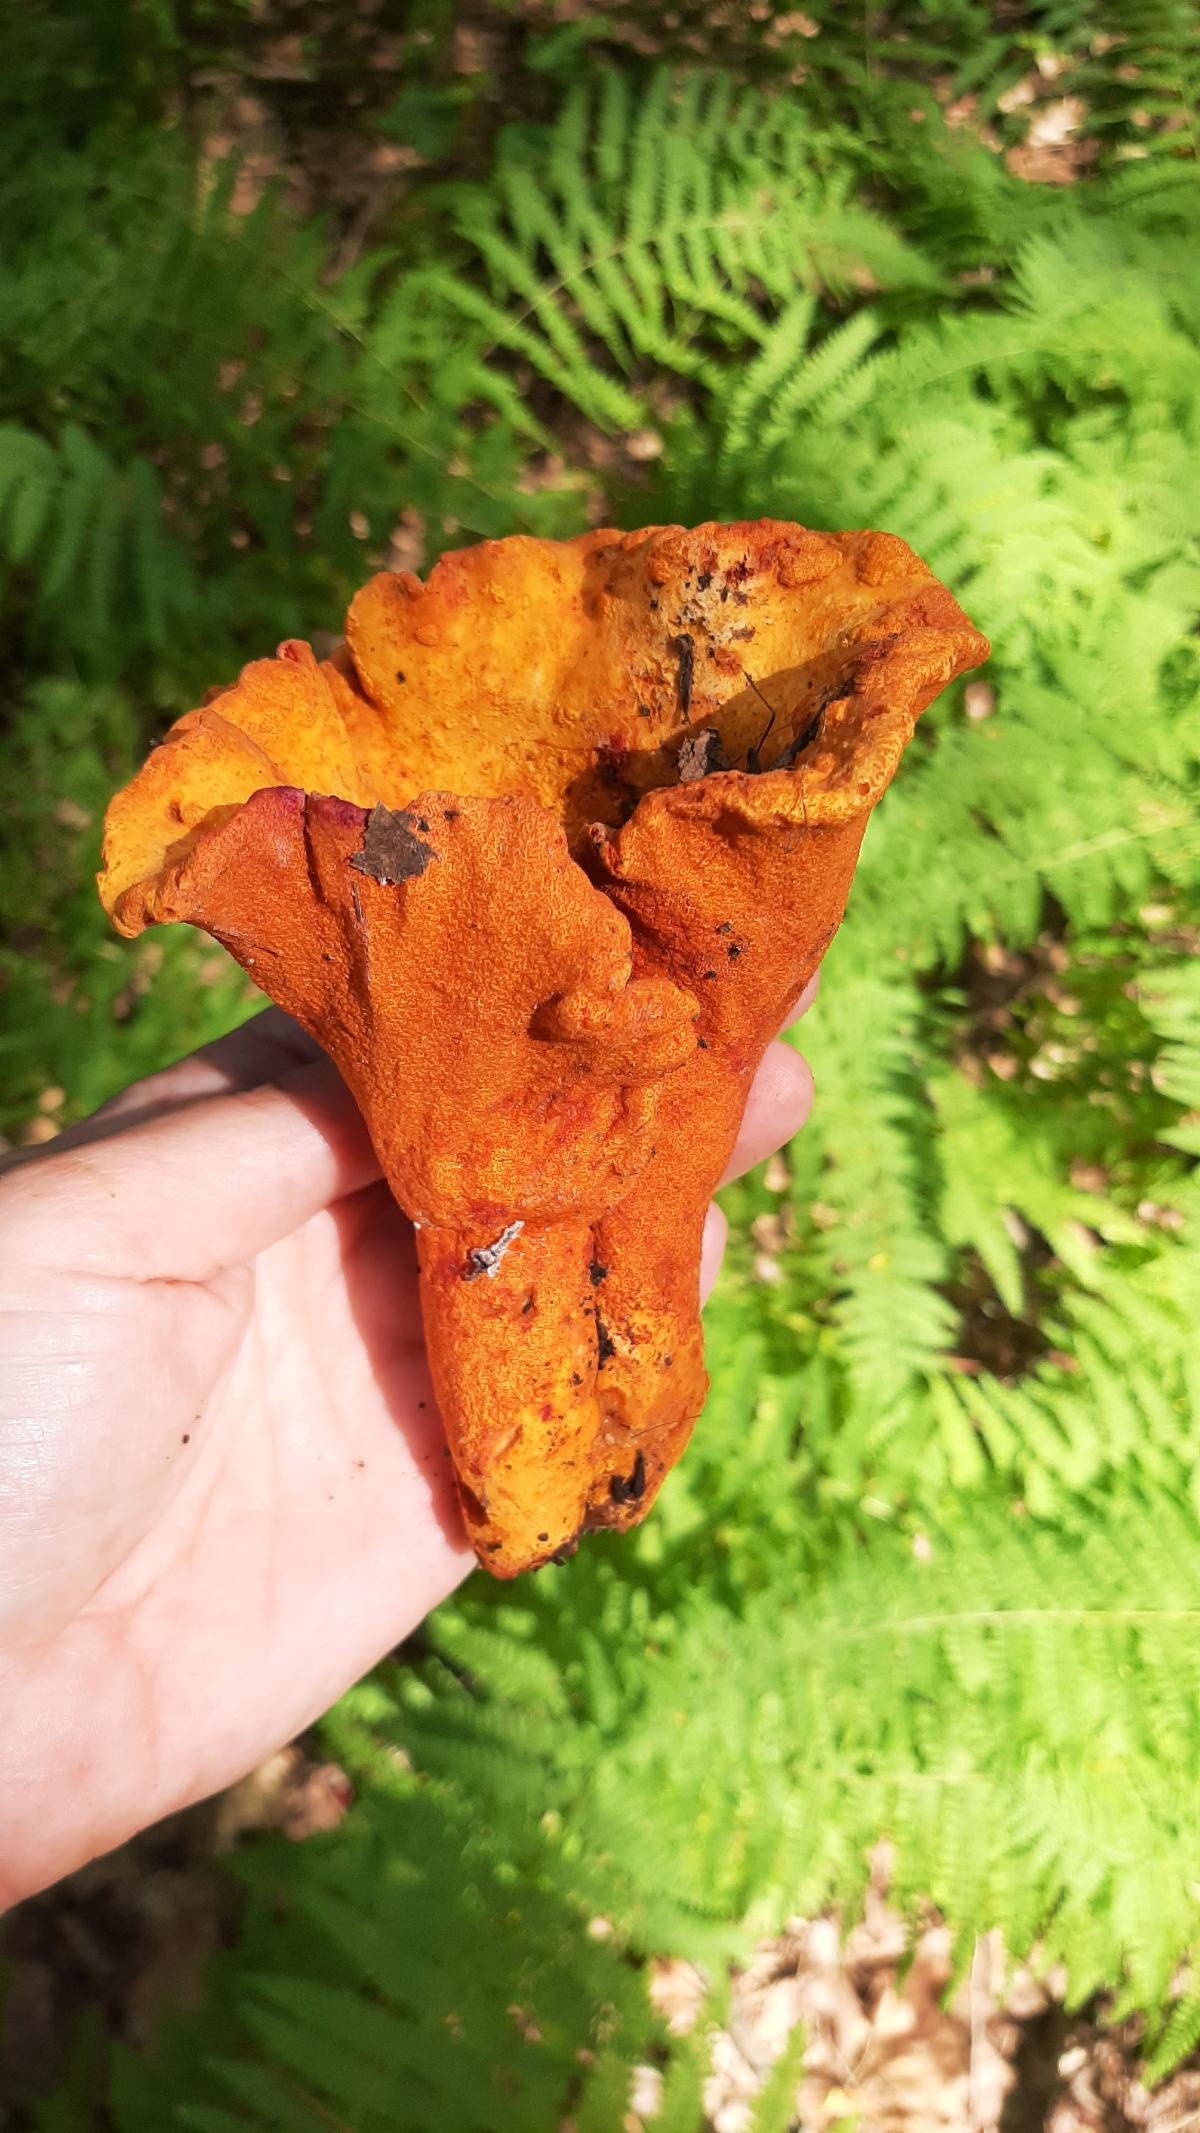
(890,2048)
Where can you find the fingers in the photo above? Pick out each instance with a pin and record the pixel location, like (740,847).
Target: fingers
(780,1097)
(780,1100)
(250,1159)
(182,1195)
(712,1251)
(778,1105)
(264,1048)
(805,1001)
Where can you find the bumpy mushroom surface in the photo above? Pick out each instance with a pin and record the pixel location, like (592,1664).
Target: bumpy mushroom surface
(543,856)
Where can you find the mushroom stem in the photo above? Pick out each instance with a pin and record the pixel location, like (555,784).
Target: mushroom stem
(764,901)
(516,1363)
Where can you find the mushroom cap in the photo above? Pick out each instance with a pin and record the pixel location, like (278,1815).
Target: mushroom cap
(576,674)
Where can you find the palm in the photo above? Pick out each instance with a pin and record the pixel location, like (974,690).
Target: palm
(224,1491)
(233,1547)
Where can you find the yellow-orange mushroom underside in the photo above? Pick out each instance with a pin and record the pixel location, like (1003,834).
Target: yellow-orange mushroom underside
(543,856)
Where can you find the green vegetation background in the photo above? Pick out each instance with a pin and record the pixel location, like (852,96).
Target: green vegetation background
(289,292)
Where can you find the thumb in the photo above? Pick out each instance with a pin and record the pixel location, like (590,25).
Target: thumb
(182,1196)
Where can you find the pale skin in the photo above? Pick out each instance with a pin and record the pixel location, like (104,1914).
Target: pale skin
(224,1493)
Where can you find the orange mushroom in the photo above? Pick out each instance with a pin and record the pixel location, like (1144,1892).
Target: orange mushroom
(543,855)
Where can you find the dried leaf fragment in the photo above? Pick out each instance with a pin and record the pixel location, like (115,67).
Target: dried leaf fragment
(699,755)
(487,1258)
(391,849)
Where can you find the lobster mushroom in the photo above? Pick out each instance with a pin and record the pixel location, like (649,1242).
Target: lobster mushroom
(542,855)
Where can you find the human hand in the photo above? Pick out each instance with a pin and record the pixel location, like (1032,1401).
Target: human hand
(224,1492)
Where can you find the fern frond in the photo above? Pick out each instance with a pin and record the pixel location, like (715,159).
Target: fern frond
(1169,998)
(883,1261)
(652,232)
(94,538)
